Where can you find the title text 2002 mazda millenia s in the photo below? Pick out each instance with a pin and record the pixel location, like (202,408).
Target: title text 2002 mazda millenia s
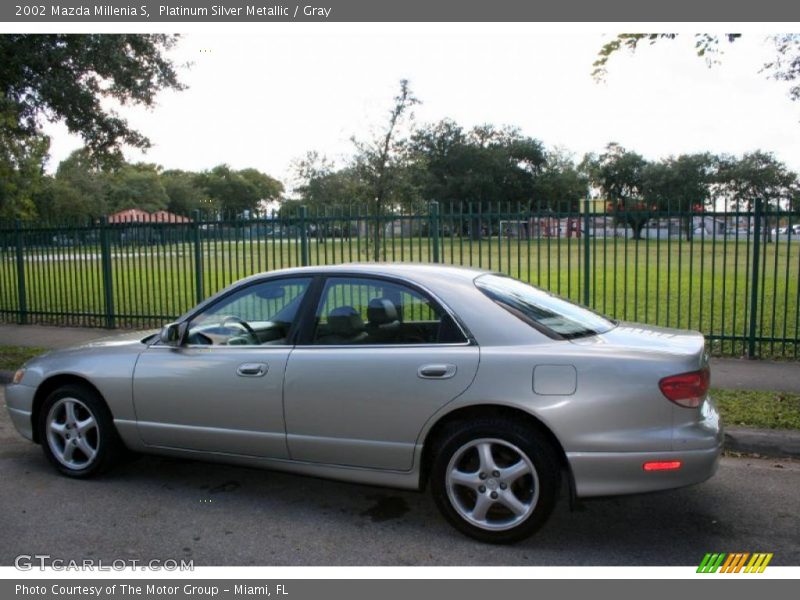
(484,388)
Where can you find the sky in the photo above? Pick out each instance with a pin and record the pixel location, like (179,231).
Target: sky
(263,99)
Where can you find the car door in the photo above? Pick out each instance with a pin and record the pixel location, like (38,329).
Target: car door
(221,389)
(380,358)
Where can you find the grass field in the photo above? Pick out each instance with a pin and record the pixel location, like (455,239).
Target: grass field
(703,285)
(770,410)
(13,357)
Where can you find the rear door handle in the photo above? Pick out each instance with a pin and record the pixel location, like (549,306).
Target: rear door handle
(252,370)
(436,371)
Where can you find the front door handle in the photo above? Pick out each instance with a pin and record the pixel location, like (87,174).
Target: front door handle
(442,371)
(252,370)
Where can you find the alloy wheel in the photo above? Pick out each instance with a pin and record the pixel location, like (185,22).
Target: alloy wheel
(492,484)
(72,433)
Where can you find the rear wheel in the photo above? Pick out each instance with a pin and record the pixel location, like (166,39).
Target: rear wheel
(495,480)
(77,431)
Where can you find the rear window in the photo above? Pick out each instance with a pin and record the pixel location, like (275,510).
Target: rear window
(542,310)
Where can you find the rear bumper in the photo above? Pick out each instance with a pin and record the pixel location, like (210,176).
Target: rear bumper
(697,441)
(614,473)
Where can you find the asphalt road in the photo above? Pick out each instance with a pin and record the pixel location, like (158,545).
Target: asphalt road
(154,508)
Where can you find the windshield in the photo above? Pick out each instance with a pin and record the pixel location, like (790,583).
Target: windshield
(546,312)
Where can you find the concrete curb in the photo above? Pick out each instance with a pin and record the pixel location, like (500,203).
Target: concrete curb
(774,443)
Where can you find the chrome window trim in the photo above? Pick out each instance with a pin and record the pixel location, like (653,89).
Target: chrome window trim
(387,346)
(306,346)
(222,346)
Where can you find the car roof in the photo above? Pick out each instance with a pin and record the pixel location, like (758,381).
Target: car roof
(412,270)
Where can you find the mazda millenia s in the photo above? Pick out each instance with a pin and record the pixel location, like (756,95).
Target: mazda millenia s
(480,387)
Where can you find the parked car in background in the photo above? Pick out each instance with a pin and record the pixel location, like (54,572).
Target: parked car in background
(486,390)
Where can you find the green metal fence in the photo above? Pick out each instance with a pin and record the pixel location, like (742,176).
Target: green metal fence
(731,274)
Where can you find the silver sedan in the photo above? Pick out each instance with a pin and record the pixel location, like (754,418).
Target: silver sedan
(487,390)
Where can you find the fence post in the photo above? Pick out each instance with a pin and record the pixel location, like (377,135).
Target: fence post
(751,342)
(198,257)
(434,215)
(22,295)
(376,239)
(108,282)
(586,250)
(303,236)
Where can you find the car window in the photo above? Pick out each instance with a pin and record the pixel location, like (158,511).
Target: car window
(544,311)
(259,314)
(365,311)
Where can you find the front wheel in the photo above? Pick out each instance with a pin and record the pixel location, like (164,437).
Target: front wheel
(77,431)
(495,480)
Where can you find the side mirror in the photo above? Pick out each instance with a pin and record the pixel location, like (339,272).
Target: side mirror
(172,334)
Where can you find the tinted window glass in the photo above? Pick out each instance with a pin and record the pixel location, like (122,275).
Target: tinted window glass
(542,309)
(258,314)
(372,311)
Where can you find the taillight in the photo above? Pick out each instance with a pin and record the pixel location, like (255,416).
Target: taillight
(687,389)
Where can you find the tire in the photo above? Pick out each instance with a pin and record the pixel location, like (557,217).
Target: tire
(77,432)
(495,480)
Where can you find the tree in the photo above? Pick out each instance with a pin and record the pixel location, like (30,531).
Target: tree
(183,191)
(68,77)
(84,188)
(560,185)
(511,161)
(137,186)
(757,176)
(784,67)
(235,192)
(620,174)
(681,184)
(21,175)
(478,170)
(79,189)
(443,157)
(266,188)
(320,185)
(379,161)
